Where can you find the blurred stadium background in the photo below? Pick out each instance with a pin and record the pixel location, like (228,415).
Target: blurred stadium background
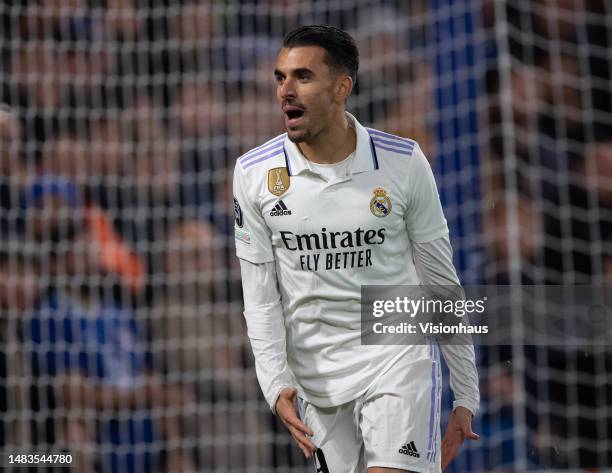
(122,340)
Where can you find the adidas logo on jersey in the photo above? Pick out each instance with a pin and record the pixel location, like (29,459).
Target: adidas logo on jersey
(279,210)
(410,449)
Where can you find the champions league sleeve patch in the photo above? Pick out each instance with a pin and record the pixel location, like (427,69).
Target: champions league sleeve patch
(240,233)
(238,213)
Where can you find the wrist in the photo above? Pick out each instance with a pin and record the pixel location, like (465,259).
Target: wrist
(463,409)
(277,395)
(470,406)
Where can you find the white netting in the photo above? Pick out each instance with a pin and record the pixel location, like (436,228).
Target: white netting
(122,336)
(548,220)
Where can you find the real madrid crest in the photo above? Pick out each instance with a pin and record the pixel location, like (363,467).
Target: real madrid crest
(380,205)
(278,181)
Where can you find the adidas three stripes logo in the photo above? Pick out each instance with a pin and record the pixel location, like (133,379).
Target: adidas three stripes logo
(410,449)
(280,209)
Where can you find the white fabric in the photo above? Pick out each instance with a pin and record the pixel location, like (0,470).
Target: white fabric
(434,265)
(266,328)
(333,171)
(330,245)
(394,424)
(262,308)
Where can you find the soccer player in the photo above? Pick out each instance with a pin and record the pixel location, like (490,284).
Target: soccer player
(320,210)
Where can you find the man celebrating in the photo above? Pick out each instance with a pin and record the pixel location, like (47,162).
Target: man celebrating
(320,210)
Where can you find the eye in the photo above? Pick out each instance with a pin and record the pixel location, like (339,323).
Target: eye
(278,78)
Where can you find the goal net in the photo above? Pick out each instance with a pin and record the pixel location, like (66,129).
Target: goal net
(123,346)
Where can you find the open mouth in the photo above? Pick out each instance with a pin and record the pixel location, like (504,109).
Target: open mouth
(294,114)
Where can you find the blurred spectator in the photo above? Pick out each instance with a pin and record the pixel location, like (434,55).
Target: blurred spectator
(5,427)
(47,15)
(560,97)
(382,44)
(557,18)
(21,289)
(496,450)
(123,21)
(14,173)
(52,207)
(199,108)
(135,30)
(596,174)
(127,164)
(90,343)
(19,293)
(553,155)
(200,339)
(60,58)
(188,318)
(407,116)
(154,164)
(201,117)
(37,72)
(32,86)
(10,143)
(506,223)
(253,119)
(550,89)
(265,83)
(55,210)
(197,43)
(382,35)
(528,92)
(89,152)
(193,24)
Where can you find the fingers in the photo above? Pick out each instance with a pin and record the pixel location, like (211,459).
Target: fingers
(285,408)
(296,423)
(469,434)
(305,444)
(299,431)
(459,428)
(450,446)
(445,460)
(465,426)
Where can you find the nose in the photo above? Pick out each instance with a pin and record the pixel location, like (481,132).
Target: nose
(287,89)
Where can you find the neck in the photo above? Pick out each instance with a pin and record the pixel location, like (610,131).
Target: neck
(331,145)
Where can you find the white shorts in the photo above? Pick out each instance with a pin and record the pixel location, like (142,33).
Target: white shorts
(394,424)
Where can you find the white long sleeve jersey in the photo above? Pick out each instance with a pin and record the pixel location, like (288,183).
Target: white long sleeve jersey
(308,236)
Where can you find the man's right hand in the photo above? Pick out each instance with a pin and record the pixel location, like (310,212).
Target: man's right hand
(286,410)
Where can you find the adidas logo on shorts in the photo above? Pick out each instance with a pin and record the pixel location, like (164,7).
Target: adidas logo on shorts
(410,449)
(279,210)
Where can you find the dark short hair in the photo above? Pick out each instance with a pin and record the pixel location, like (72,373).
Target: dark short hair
(342,53)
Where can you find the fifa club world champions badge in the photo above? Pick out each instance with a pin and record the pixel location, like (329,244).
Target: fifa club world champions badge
(278,181)
(380,205)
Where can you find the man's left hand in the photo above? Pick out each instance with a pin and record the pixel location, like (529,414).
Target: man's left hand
(459,428)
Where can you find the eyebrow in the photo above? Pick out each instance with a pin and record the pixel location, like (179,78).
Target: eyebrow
(298,71)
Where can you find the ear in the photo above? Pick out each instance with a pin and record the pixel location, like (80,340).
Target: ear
(344,87)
